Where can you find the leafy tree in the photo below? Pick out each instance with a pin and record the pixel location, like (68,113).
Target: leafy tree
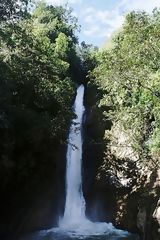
(10,10)
(128,73)
(87,53)
(35,85)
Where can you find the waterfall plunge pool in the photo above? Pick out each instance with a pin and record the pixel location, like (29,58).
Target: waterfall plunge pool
(56,234)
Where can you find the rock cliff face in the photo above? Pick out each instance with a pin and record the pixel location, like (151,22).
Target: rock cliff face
(137,208)
(97,193)
(118,187)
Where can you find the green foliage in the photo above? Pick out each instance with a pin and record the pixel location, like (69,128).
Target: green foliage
(13,9)
(36,87)
(87,53)
(129,75)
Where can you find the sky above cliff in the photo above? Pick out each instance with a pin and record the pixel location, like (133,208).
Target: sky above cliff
(100,18)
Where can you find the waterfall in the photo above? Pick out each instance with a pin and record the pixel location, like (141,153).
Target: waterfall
(74,220)
(75,204)
(74,224)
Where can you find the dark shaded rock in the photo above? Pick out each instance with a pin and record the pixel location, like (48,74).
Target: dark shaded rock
(99,196)
(135,209)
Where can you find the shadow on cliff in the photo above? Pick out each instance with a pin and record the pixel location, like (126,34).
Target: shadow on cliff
(100,198)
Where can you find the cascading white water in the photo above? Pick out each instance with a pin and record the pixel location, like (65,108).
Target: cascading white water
(74,219)
(75,204)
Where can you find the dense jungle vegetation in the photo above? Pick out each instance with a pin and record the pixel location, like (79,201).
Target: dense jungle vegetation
(39,63)
(128,74)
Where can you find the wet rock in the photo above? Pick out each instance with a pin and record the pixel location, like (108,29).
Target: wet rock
(156,214)
(141,220)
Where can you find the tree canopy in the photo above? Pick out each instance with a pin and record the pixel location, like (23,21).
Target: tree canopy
(129,75)
(36,81)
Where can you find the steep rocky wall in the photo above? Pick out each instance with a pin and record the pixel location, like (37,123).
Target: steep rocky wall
(118,187)
(137,205)
(99,196)
(137,185)
(137,209)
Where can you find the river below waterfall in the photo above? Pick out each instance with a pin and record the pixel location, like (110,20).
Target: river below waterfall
(74,224)
(52,235)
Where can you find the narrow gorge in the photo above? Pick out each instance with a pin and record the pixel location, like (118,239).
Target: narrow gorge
(79,122)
